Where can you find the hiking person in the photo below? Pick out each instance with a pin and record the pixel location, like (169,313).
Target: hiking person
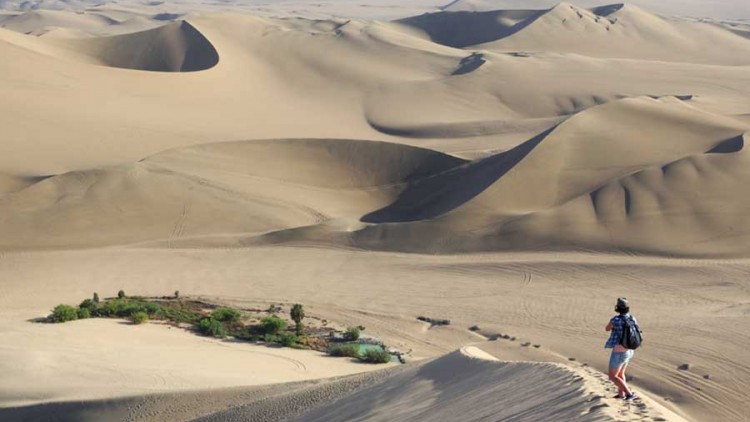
(623,339)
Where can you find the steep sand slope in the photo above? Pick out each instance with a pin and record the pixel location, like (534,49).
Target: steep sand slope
(231,188)
(560,190)
(175,47)
(467,385)
(615,31)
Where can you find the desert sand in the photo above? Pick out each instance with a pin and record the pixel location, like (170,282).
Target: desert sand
(512,168)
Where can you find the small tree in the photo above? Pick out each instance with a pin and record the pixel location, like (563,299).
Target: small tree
(86,304)
(139,318)
(298,314)
(121,294)
(84,313)
(63,313)
(352,334)
(272,324)
(96,297)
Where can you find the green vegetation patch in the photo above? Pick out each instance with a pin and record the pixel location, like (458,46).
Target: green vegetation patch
(220,322)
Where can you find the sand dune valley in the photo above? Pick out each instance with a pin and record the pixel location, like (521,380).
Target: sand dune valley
(473,183)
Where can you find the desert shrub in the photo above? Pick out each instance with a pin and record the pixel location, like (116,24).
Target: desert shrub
(346,350)
(63,313)
(176,294)
(287,339)
(226,315)
(272,324)
(376,356)
(96,297)
(124,308)
(121,294)
(271,338)
(298,314)
(87,304)
(84,313)
(273,309)
(211,327)
(179,315)
(352,334)
(139,317)
(111,308)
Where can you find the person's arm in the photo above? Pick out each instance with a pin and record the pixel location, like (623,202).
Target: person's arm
(609,326)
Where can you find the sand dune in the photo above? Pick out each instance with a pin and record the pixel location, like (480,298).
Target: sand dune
(496,167)
(432,392)
(616,31)
(175,47)
(254,187)
(317,190)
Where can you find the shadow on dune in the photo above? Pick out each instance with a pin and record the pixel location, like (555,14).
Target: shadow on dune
(729,146)
(463,29)
(469,64)
(444,192)
(175,47)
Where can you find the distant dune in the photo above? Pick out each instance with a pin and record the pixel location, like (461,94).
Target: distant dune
(614,31)
(175,47)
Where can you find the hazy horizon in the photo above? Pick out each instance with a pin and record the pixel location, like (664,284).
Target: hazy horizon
(717,9)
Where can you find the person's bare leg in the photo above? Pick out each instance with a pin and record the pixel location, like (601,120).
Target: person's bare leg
(621,375)
(613,376)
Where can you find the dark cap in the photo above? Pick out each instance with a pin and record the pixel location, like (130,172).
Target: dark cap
(622,304)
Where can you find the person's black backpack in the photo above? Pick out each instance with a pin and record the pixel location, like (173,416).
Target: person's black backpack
(631,334)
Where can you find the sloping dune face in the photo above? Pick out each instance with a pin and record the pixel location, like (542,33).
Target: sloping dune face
(577,185)
(175,47)
(467,386)
(234,188)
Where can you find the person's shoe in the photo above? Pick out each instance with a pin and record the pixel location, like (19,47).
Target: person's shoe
(630,397)
(617,396)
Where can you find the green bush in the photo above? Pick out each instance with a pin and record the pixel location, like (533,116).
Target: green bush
(376,356)
(87,304)
(271,338)
(84,313)
(211,327)
(139,317)
(125,308)
(151,308)
(226,314)
(121,294)
(179,315)
(345,350)
(352,334)
(287,339)
(273,324)
(63,313)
